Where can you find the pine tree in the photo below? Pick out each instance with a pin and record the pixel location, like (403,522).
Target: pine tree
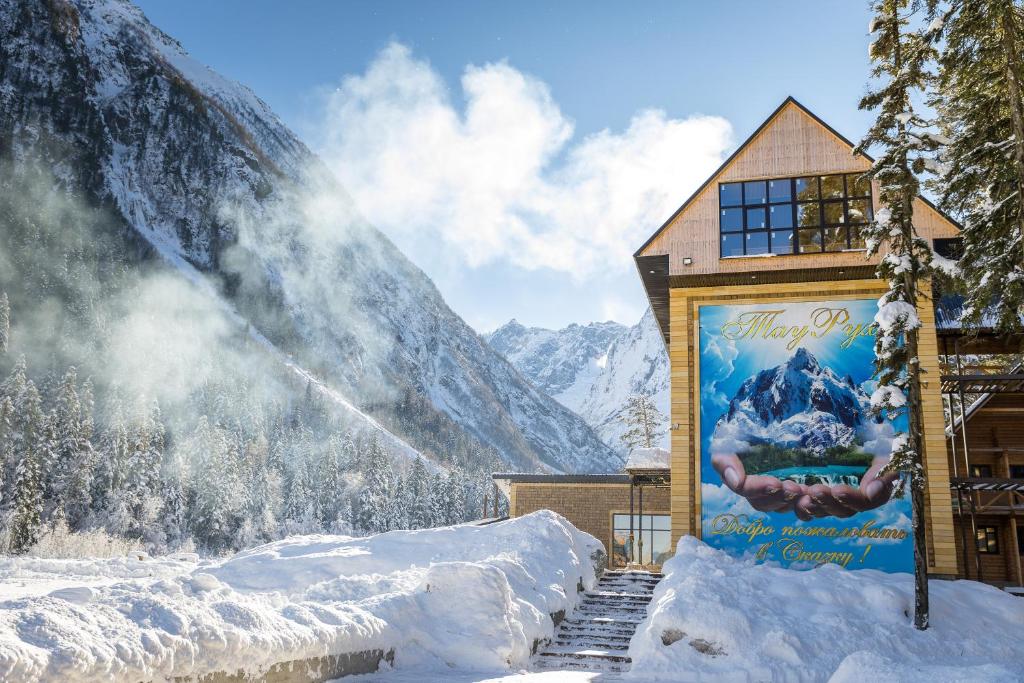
(417,493)
(644,421)
(5,322)
(12,394)
(35,432)
(219,497)
(900,59)
(981,102)
(374,499)
(75,457)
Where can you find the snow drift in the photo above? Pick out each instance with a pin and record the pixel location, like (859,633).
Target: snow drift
(468,597)
(716,617)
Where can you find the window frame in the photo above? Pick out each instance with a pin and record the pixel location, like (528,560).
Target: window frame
(990,536)
(646,533)
(794,203)
(978,470)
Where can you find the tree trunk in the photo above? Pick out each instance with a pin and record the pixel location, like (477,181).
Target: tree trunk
(1013,70)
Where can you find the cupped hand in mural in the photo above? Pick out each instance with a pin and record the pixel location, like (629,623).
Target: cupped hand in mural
(767,493)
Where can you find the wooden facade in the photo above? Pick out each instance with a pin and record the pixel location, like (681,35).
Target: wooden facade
(792,142)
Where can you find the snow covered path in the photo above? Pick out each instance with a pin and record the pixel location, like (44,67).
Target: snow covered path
(595,637)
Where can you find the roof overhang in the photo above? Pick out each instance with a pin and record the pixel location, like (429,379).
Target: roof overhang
(654,268)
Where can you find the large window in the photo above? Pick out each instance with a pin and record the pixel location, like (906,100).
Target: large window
(653,530)
(804,215)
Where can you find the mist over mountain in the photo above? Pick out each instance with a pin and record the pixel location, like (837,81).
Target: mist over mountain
(592,369)
(264,271)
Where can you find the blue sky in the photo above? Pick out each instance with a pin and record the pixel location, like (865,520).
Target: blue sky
(520,151)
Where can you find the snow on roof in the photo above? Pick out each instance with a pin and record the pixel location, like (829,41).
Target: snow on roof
(648,459)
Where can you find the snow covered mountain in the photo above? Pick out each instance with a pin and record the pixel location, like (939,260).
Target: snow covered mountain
(216,185)
(592,369)
(798,404)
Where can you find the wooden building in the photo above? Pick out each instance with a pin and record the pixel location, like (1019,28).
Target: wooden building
(779,221)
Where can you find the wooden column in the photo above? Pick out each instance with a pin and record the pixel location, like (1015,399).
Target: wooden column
(941,541)
(1014,549)
(682,456)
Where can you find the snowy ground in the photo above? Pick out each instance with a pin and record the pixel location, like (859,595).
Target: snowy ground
(726,619)
(455,598)
(465,604)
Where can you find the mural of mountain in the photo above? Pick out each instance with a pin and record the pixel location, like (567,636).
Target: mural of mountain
(799,404)
(592,369)
(200,174)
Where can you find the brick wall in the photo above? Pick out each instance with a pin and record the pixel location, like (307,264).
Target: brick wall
(588,506)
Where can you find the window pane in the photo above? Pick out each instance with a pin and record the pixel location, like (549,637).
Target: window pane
(857,238)
(807,215)
(833,213)
(781,215)
(857,186)
(755,192)
(661,546)
(810,241)
(730,194)
(831,187)
(731,220)
(981,470)
(860,211)
(732,245)
(835,239)
(756,219)
(780,190)
(806,188)
(782,241)
(1016,471)
(757,242)
(620,522)
(663,522)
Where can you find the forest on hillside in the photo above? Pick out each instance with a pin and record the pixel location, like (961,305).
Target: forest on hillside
(217,453)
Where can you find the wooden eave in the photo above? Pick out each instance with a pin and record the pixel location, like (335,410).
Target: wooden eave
(654,268)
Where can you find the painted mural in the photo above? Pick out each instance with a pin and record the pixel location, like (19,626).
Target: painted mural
(790,456)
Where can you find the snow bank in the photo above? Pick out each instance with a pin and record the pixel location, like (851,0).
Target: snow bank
(648,459)
(716,617)
(465,596)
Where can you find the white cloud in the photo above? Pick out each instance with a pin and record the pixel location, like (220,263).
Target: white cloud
(723,352)
(501,178)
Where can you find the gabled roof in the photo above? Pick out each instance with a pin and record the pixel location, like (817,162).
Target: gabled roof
(790,100)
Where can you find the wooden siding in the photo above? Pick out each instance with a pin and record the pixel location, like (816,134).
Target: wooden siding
(685,461)
(793,143)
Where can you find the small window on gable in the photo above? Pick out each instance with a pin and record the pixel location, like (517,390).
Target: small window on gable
(805,215)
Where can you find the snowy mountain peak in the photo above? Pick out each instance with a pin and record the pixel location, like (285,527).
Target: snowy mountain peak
(592,369)
(798,404)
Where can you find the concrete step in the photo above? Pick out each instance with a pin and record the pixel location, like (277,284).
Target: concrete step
(627,596)
(639,601)
(633,573)
(559,652)
(620,645)
(606,669)
(604,610)
(598,629)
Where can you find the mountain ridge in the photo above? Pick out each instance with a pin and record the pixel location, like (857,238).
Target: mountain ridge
(209,176)
(592,369)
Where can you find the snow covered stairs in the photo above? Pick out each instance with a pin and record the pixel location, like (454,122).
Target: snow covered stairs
(596,636)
